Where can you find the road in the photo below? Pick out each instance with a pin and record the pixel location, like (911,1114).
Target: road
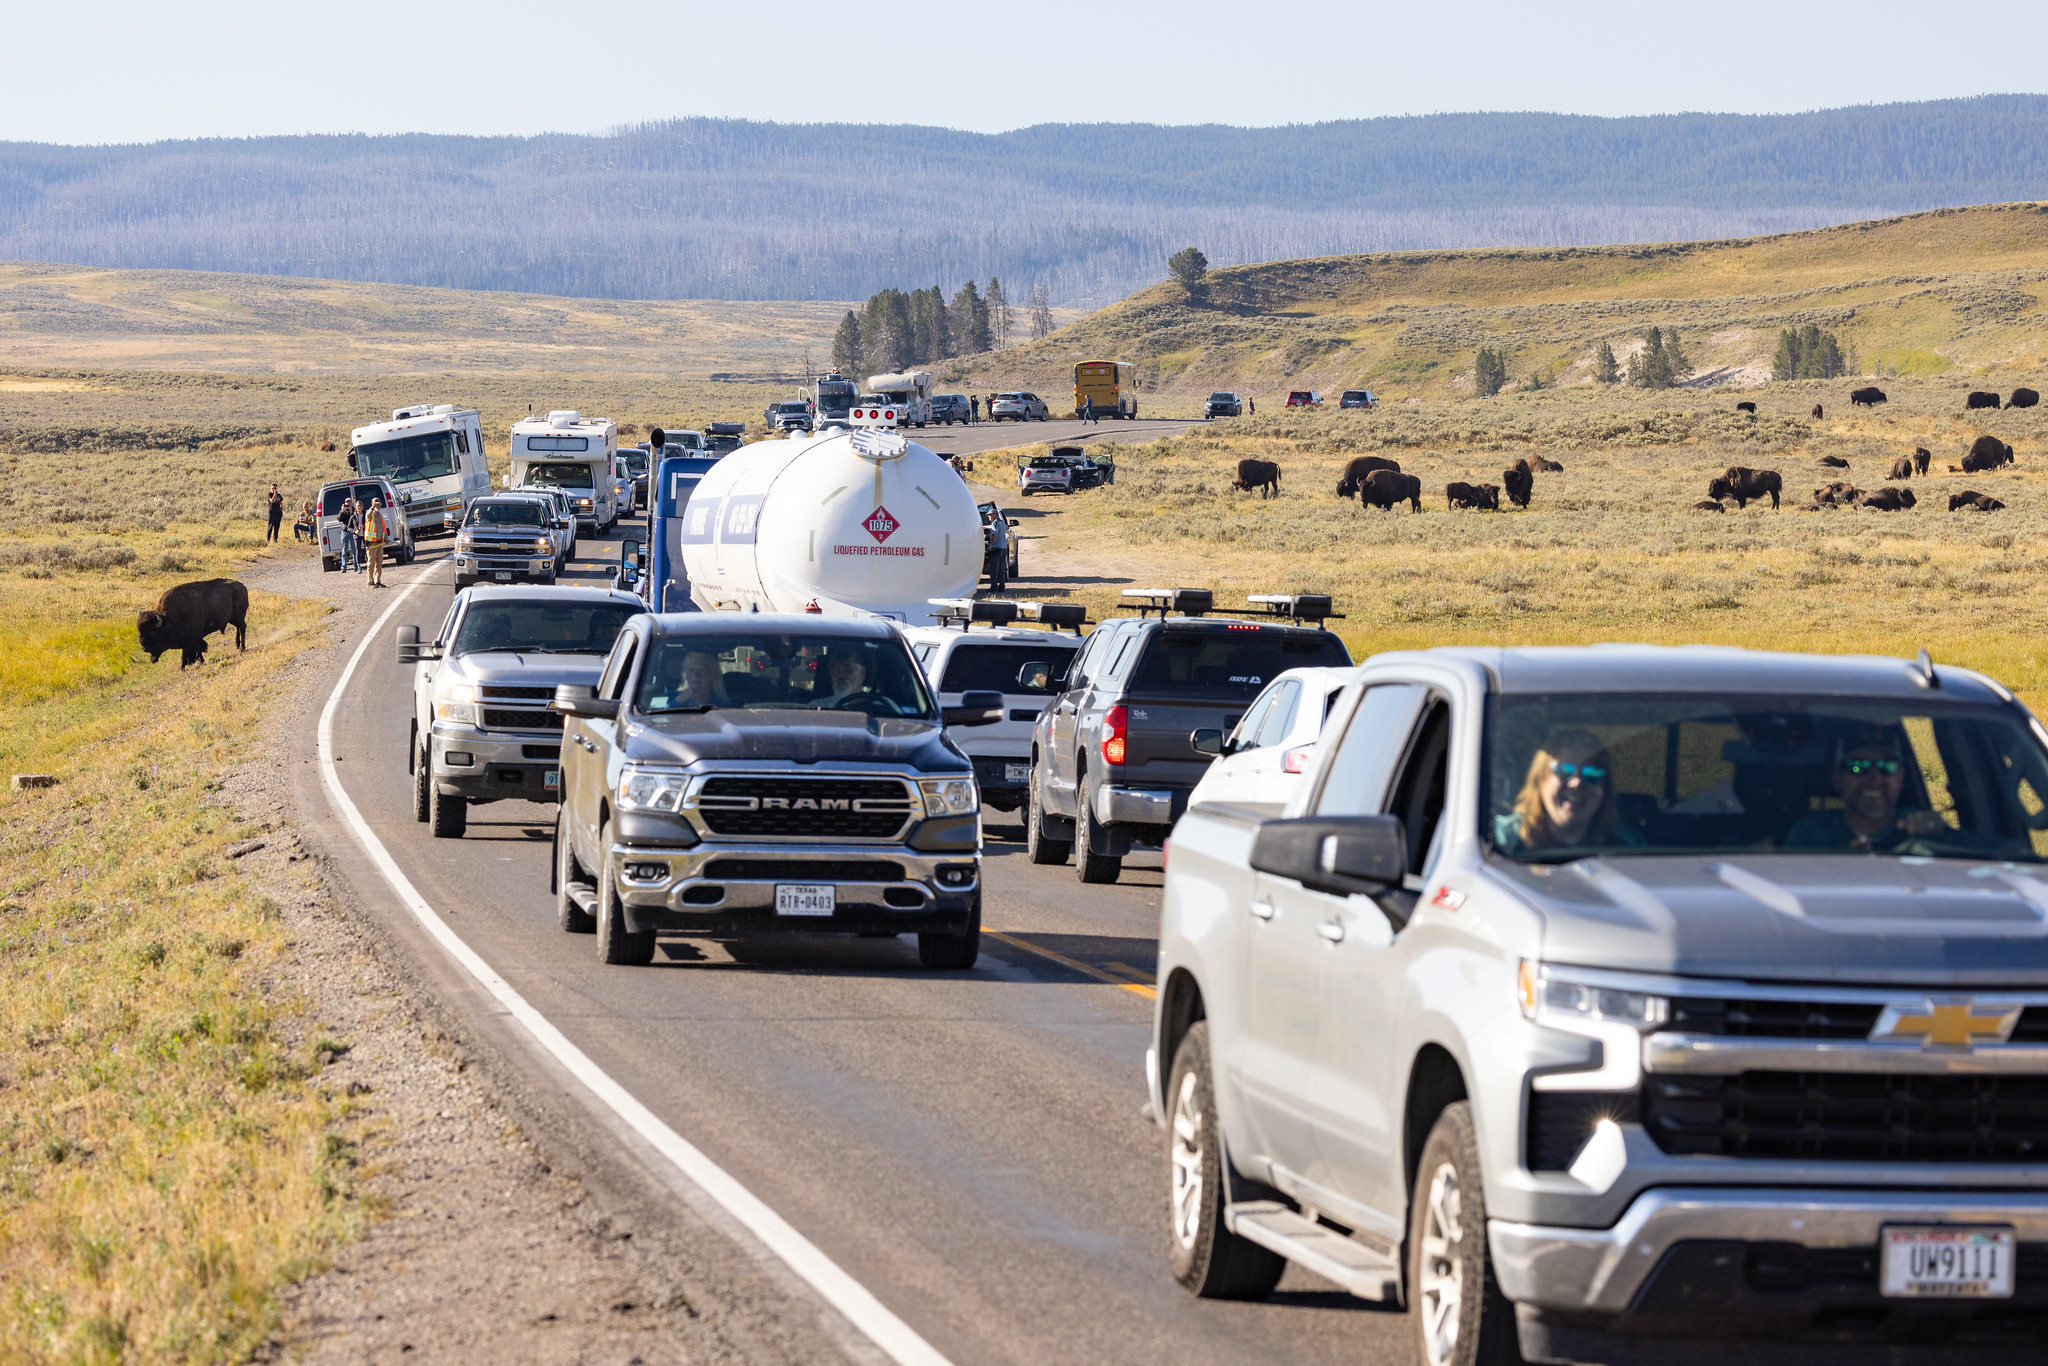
(973,438)
(968,1146)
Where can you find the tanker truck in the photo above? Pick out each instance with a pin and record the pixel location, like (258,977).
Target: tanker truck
(860,523)
(910,391)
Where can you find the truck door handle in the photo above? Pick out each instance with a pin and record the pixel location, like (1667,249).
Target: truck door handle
(1263,909)
(1332,930)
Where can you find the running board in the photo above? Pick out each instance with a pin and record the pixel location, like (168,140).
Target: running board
(585,897)
(1365,1273)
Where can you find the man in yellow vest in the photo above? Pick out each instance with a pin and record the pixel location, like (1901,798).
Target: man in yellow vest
(374,536)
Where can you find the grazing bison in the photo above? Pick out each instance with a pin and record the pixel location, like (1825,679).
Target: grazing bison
(1262,475)
(1902,468)
(1974,501)
(1833,462)
(1987,452)
(1385,488)
(1746,485)
(1708,505)
(1519,482)
(1461,495)
(1979,399)
(2023,398)
(1550,466)
(1749,408)
(1867,397)
(1356,472)
(186,615)
(1921,455)
(1887,500)
(1816,412)
(1836,495)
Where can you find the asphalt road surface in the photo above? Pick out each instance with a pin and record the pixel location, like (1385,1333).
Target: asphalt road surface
(968,1146)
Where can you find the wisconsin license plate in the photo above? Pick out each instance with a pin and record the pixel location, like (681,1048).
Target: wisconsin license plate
(1016,773)
(799,900)
(1946,1263)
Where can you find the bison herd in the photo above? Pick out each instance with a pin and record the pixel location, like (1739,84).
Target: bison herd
(2021,398)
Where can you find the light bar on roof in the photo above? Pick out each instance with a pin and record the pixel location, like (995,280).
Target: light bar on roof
(1296,606)
(1191,602)
(1067,616)
(995,611)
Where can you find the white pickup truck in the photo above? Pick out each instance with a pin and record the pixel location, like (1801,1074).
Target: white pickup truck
(1628,1005)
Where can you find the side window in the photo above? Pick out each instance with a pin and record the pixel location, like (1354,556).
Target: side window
(619,667)
(448,624)
(1085,662)
(1371,745)
(1286,698)
(1418,794)
(1246,734)
(1123,658)
(461,441)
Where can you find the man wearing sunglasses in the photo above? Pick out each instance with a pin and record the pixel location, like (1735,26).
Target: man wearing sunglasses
(1869,779)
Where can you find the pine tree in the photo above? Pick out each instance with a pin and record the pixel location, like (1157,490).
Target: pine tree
(922,338)
(967,321)
(999,320)
(1041,313)
(1605,369)
(1808,353)
(942,327)
(1678,368)
(846,348)
(1190,266)
(1489,371)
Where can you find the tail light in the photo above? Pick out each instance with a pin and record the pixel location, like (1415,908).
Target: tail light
(1296,760)
(1113,731)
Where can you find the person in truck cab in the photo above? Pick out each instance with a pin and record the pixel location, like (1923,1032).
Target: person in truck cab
(702,684)
(848,674)
(1567,799)
(1869,779)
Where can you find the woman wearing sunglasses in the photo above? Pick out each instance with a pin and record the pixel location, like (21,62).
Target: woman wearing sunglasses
(1869,779)
(1567,800)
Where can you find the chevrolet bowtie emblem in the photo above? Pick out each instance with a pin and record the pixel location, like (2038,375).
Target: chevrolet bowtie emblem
(1953,1023)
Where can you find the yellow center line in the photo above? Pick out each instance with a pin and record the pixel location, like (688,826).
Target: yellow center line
(1098,974)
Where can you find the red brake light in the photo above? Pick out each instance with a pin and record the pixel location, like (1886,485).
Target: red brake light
(1296,760)
(1113,730)
(890,415)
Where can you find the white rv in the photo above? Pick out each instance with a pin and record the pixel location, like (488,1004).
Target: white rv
(910,391)
(433,454)
(568,451)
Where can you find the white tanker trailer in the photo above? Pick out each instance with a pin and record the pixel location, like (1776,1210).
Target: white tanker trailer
(861,523)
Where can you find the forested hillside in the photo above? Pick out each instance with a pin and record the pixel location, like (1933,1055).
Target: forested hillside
(725,209)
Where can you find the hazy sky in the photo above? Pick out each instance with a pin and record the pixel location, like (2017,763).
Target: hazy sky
(130,71)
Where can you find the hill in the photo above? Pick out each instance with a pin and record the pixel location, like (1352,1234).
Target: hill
(707,208)
(1948,292)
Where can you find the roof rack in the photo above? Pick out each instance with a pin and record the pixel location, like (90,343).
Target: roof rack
(725,429)
(965,612)
(1296,606)
(1189,602)
(1070,616)
(1196,602)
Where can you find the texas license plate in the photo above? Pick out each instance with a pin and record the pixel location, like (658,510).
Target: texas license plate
(800,900)
(1946,1263)
(552,779)
(1016,773)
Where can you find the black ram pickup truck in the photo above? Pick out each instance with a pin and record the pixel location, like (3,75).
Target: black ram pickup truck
(1111,758)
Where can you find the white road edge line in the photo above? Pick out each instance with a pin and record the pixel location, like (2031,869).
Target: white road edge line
(897,1339)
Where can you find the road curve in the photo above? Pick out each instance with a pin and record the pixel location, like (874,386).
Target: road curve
(968,1147)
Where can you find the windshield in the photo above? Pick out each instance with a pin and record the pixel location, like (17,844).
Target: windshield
(1232,664)
(561,476)
(794,672)
(542,627)
(836,398)
(995,667)
(521,513)
(1574,775)
(427,456)
(793,408)
(1222,398)
(636,461)
(723,444)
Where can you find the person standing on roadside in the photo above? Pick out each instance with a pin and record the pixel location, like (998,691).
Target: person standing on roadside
(1088,410)
(373,537)
(276,513)
(351,525)
(973,408)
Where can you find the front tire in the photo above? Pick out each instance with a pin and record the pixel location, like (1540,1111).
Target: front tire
(953,952)
(1207,1258)
(1040,847)
(572,917)
(422,783)
(448,815)
(1099,869)
(617,945)
(1458,1312)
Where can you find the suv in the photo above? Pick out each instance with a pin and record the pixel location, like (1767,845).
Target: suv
(1018,407)
(509,537)
(723,438)
(738,774)
(482,728)
(1223,403)
(1111,762)
(1358,398)
(950,408)
(978,648)
(1627,1004)
(397,531)
(793,416)
(1304,398)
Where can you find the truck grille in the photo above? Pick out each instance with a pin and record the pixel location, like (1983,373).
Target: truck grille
(801,870)
(1850,1117)
(1743,1018)
(504,718)
(806,808)
(492,692)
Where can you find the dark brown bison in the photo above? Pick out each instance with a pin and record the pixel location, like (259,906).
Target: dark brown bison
(1902,468)
(1537,462)
(1837,495)
(1519,483)
(186,615)
(1385,488)
(1746,485)
(1708,505)
(1987,452)
(1355,473)
(1887,500)
(1833,462)
(1816,412)
(1461,495)
(1979,399)
(1868,397)
(1974,501)
(1262,475)
(1749,408)
(1921,455)
(2023,398)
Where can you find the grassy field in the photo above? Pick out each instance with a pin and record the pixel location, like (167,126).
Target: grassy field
(1954,293)
(168,1154)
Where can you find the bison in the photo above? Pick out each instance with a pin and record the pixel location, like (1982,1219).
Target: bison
(1833,462)
(2023,398)
(1262,475)
(1887,500)
(1537,462)
(1462,495)
(1749,408)
(1921,455)
(1970,498)
(1708,505)
(1385,488)
(1835,495)
(1979,399)
(1987,452)
(1868,397)
(1746,485)
(1519,483)
(1816,412)
(1902,468)
(187,614)
(1355,473)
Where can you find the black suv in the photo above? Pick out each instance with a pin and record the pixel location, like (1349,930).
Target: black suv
(1223,403)
(1111,761)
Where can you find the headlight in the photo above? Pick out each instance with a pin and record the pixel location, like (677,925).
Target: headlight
(1557,997)
(642,790)
(456,703)
(949,796)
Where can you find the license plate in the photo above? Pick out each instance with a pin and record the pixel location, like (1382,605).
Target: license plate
(552,779)
(800,900)
(1946,1263)
(1016,773)
(503,576)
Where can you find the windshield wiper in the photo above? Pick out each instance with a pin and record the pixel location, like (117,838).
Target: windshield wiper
(684,711)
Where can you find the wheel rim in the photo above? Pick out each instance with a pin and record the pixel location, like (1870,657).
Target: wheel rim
(1187,1161)
(1442,1270)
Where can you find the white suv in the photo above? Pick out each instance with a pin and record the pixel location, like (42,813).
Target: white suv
(1267,754)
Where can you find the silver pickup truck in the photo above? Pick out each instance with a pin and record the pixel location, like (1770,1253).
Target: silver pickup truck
(1628,1005)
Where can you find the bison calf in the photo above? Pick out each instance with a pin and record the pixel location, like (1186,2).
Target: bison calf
(1262,475)
(1979,399)
(1708,505)
(1462,495)
(187,614)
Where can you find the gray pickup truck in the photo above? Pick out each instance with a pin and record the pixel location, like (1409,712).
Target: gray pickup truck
(1628,1005)
(483,727)
(734,775)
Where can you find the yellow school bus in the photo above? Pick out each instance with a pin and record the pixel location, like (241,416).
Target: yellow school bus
(1111,384)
